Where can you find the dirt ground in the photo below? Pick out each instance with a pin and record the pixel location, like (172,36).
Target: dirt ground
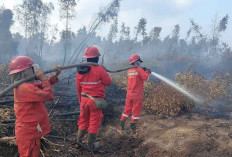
(189,135)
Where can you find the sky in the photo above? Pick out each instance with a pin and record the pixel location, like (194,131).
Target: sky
(162,13)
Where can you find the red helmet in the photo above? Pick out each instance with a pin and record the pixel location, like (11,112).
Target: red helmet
(134,58)
(91,52)
(19,64)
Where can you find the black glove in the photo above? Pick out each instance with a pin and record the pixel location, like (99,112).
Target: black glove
(144,68)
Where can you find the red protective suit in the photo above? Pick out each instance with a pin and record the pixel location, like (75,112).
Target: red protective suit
(91,83)
(134,98)
(29,148)
(32,120)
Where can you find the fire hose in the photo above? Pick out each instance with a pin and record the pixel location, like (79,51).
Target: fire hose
(169,82)
(16,84)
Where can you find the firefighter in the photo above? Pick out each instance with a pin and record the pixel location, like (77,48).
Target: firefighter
(32,120)
(134,98)
(90,81)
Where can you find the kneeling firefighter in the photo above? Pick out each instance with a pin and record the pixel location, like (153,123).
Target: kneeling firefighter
(32,120)
(134,98)
(90,81)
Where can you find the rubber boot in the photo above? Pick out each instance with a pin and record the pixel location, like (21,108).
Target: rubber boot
(122,124)
(80,135)
(92,144)
(133,127)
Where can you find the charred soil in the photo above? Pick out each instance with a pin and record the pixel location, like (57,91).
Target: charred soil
(190,134)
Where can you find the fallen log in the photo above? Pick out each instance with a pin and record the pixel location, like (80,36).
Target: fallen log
(56,115)
(67,114)
(12,121)
(69,120)
(6,106)
(51,143)
(8,121)
(75,113)
(66,104)
(10,95)
(65,95)
(9,124)
(8,140)
(6,102)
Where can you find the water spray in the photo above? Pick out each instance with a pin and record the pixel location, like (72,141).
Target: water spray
(179,88)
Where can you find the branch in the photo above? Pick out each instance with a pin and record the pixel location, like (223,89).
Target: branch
(67,114)
(8,140)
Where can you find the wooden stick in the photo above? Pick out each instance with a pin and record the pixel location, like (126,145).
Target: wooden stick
(6,102)
(9,124)
(67,114)
(9,121)
(8,140)
(66,139)
(46,140)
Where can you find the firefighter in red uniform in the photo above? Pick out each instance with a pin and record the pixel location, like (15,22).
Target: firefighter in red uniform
(90,81)
(134,98)
(32,120)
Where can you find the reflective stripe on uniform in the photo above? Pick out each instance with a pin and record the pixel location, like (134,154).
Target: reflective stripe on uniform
(135,117)
(125,115)
(39,128)
(131,74)
(90,82)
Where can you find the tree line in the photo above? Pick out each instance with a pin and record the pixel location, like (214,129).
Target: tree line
(188,52)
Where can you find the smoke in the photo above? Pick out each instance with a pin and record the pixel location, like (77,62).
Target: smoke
(198,52)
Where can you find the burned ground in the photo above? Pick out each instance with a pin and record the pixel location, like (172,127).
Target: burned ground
(188,134)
